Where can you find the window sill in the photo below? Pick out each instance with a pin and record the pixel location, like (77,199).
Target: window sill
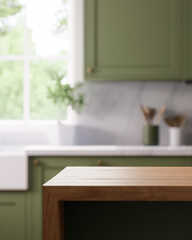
(36,122)
(21,133)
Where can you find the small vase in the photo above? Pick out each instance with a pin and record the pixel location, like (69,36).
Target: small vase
(174,136)
(150,134)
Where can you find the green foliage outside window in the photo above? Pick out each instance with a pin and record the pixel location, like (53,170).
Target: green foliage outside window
(11,90)
(45,102)
(8,8)
(41,107)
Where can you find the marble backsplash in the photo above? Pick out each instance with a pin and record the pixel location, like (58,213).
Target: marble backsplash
(112,114)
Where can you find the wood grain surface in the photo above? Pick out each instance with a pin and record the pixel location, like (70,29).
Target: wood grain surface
(123,176)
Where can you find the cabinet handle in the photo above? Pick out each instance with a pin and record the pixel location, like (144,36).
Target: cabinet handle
(89,70)
(35,162)
(99,163)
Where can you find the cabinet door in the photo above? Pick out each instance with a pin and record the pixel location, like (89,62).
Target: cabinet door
(188,29)
(133,39)
(40,171)
(141,161)
(13,216)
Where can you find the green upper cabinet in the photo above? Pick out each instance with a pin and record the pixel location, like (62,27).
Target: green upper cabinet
(188,38)
(133,39)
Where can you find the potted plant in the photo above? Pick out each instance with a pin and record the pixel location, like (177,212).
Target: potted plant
(66,95)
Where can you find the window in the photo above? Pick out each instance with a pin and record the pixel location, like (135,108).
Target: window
(34,46)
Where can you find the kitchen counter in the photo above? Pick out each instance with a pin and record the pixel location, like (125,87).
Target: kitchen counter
(50,150)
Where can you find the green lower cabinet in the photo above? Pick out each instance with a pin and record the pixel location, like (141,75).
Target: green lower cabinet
(44,168)
(21,212)
(41,170)
(13,216)
(141,161)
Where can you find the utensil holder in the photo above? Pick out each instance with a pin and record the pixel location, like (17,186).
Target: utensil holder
(174,136)
(150,134)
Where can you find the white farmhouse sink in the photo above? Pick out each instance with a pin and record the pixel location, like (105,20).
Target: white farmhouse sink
(13,170)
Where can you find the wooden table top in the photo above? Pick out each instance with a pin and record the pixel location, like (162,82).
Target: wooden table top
(110,184)
(123,176)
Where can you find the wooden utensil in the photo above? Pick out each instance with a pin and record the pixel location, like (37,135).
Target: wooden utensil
(177,121)
(150,112)
(183,120)
(160,115)
(144,113)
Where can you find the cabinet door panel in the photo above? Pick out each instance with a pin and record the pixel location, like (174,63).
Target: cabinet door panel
(12,216)
(133,39)
(141,161)
(43,170)
(39,174)
(188,50)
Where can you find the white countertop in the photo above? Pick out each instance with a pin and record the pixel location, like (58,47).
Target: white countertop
(14,160)
(108,150)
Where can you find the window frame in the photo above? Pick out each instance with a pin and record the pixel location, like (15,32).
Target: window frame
(75,67)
